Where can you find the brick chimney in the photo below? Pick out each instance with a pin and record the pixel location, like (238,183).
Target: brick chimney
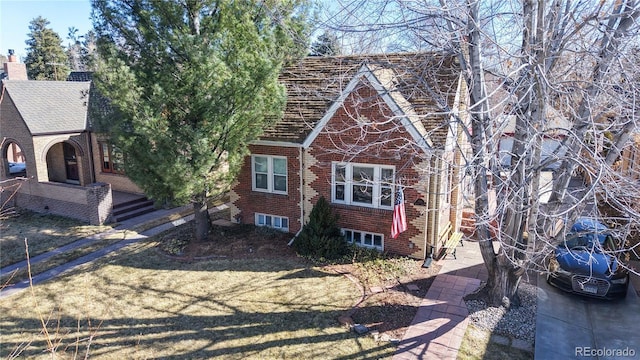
(14,70)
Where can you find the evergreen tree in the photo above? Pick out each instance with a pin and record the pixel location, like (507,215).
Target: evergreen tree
(46,58)
(81,50)
(321,238)
(192,83)
(326,45)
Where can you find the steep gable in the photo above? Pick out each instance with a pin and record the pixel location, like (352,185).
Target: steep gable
(50,106)
(422,86)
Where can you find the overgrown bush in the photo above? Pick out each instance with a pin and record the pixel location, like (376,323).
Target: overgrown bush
(360,254)
(321,237)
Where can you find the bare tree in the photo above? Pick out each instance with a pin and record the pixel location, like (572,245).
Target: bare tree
(560,70)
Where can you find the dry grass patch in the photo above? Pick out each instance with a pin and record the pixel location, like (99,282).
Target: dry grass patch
(43,232)
(8,279)
(140,304)
(477,345)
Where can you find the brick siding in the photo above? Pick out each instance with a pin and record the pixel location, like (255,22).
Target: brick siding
(246,202)
(377,144)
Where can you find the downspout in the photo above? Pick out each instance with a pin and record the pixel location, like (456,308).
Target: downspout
(433,200)
(428,248)
(301,173)
(91,159)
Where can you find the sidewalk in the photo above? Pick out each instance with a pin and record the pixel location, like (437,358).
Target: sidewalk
(441,320)
(128,239)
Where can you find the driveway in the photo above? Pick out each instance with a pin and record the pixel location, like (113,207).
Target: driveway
(573,327)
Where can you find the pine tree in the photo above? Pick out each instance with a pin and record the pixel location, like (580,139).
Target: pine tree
(192,83)
(326,45)
(46,58)
(321,238)
(81,50)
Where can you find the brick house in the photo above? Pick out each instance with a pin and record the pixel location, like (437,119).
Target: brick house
(70,170)
(629,162)
(353,129)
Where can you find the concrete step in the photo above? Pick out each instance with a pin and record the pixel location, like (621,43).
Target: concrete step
(131,205)
(138,211)
(132,208)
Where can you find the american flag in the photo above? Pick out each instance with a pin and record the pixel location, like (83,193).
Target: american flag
(399,223)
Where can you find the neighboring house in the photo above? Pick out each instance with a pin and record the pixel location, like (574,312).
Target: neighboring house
(354,128)
(556,127)
(629,163)
(70,171)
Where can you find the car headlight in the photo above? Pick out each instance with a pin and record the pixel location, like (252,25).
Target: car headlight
(554,267)
(563,271)
(620,281)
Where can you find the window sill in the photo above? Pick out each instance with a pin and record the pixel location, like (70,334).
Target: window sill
(360,208)
(269,194)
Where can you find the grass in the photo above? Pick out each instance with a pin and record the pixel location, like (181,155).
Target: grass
(139,304)
(48,232)
(62,258)
(477,345)
(44,233)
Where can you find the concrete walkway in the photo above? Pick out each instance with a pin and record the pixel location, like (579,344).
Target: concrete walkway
(128,238)
(569,326)
(565,323)
(441,320)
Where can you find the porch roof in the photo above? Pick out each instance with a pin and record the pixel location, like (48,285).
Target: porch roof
(50,106)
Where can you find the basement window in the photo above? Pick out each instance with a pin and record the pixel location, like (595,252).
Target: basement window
(272,221)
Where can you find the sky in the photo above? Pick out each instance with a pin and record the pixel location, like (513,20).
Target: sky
(15,16)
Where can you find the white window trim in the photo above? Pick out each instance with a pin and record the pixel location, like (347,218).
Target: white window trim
(273,217)
(348,183)
(363,233)
(270,174)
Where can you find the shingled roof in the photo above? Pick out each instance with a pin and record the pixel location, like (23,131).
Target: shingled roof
(428,82)
(50,106)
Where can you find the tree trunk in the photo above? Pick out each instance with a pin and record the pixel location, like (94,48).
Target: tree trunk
(501,287)
(503,276)
(201,218)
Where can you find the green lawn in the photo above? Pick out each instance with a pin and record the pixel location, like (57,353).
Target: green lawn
(139,304)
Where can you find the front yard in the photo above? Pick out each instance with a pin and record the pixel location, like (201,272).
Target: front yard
(44,233)
(142,305)
(242,294)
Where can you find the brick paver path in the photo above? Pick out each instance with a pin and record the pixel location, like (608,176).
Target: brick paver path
(441,320)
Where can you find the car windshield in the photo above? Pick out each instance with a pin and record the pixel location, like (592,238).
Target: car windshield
(578,240)
(587,241)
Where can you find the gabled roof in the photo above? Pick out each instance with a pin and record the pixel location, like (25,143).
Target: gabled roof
(416,82)
(50,106)
(80,76)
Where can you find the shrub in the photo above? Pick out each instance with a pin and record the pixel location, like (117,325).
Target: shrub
(321,238)
(359,254)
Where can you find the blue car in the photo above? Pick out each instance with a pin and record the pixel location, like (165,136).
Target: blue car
(17,168)
(588,263)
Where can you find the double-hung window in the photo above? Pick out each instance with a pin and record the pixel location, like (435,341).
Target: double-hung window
(112,158)
(362,184)
(269,173)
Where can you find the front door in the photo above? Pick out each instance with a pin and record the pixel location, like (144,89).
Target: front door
(71,163)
